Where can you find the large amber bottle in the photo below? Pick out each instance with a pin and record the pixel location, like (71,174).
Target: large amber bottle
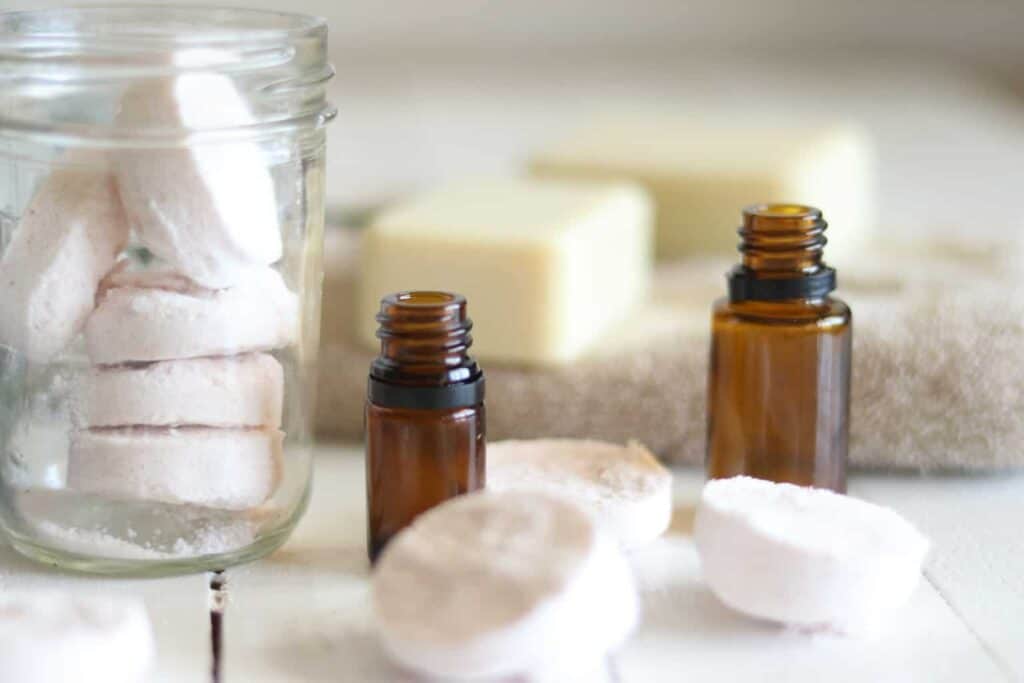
(425,421)
(779,384)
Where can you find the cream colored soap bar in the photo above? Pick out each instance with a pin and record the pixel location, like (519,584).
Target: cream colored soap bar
(547,266)
(702,173)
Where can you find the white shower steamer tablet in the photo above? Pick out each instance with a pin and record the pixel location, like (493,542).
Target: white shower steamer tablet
(806,557)
(208,209)
(158,315)
(50,637)
(227,391)
(231,469)
(502,584)
(626,489)
(68,239)
(549,266)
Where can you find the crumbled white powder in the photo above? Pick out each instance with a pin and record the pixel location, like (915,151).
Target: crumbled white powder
(207,541)
(95,543)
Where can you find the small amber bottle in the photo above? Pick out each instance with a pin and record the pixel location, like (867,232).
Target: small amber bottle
(425,422)
(779,381)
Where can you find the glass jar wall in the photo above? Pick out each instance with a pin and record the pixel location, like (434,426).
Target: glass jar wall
(161,220)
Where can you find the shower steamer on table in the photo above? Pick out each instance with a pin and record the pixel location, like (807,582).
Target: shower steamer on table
(229,391)
(232,469)
(806,557)
(625,488)
(208,209)
(700,170)
(502,584)
(159,315)
(67,240)
(52,637)
(548,266)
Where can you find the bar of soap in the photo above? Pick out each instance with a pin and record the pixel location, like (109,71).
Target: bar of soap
(161,315)
(54,637)
(231,469)
(502,584)
(806,557)
(231,391)
(625,488)
(67,240)
(547,266)
(701,173)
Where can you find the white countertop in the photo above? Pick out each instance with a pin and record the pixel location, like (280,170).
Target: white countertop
(302,614)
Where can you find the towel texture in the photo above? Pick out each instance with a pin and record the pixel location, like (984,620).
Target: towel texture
(938,365)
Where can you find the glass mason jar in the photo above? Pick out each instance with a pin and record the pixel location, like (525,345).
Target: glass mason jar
(161,221)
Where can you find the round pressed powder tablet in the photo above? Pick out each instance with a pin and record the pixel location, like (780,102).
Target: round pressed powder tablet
(500,584)
(220,468)
(67,240)
(228,391)
(626,489)
(50,637)
(159,315)
(807,557)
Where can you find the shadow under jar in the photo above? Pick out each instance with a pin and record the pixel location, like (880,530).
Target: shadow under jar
(161,225)
(779,381)
(425,418)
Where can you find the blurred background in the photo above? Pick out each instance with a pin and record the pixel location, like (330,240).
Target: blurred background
(429,91)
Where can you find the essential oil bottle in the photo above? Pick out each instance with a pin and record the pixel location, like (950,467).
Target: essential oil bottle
(779,381)
(425,420)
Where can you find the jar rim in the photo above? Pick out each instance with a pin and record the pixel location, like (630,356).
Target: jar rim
(189,25)
(276,57)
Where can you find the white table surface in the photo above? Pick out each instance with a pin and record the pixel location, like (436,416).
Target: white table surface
(302,614)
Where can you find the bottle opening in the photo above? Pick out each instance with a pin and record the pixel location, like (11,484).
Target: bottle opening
(435,309)
(787,210)
(425,298)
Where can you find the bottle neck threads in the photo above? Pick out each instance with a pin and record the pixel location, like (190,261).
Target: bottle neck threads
(424,359)
(781,246)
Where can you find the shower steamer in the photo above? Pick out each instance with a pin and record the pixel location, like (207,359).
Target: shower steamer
(805,557)
(231,469)
(209,208)
(51,637)
(160,315)
(229,391)
(67,240)
(502,584)
(625,488)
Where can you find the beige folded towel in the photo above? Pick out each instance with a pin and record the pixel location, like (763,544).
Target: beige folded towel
(938,363)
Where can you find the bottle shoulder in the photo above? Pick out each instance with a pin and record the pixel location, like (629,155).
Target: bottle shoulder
(827,312)
(419,415)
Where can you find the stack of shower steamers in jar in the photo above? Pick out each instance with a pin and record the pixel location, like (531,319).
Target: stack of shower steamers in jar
(182,403)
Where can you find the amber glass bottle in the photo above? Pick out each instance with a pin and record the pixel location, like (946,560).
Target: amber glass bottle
(425,422)
(779,384)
